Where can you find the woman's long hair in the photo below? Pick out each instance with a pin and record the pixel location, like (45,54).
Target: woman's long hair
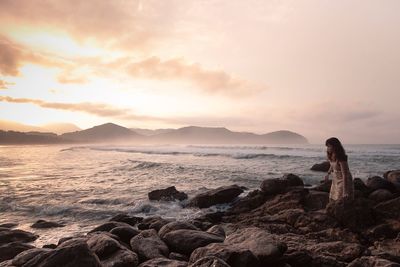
(338,149)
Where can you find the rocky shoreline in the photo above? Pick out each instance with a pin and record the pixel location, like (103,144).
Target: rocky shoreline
(283,223)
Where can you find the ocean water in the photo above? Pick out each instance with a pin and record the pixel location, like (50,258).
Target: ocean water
(84,186)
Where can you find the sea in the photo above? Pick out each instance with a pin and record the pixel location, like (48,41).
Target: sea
(84,186)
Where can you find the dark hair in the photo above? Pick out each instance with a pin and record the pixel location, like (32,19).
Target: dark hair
(337,148)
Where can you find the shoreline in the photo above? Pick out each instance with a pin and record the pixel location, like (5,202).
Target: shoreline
(297,225)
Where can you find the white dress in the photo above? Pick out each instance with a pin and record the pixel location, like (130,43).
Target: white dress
(338,182)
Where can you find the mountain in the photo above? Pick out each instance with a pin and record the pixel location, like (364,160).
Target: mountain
(105,132)
(19,138)
(60,128)
(148,132)
(19,127)
(221,135)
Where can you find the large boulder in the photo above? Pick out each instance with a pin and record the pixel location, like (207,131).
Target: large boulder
(185,241)
(167,194)
(125,233)
(121,258)
(389,209)
(274,186)
(40,224)
(163,262)
(354,214)
(148,245)
(10,250)
(23,257)
(376,182)
(173,226)
(321,167)
(8,236)
(220,195)
(293,180)
(380,195)
(103,245)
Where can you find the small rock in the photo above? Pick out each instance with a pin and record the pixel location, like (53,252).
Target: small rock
(125,233)
(167,194)
(220,195)
(148,245)
(172,226)
(41,224)
(131,220)
(154,222)
(321,167)
(106,227)
(8,236)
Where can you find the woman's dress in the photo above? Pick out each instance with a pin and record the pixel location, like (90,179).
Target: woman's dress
(338,188)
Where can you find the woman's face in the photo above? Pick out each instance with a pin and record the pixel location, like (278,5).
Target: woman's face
(329,152)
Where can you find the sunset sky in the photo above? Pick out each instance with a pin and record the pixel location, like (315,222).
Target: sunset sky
(319,68)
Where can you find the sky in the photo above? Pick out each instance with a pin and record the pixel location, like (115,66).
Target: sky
(319,68)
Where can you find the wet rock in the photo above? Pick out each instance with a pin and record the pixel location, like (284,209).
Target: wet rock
(321,167)
(356,215)
(185,241)
(167,194)
(125,233)
(372,261)
(273,186)
(52,246)
(316,200)
(220,195)
(131,220)
(106,227)
(148,245)
(10,250)
(8,236)
(232,255)
(210,261)
(103,245)
(23,257)
(389,209)
(155,222)
(293,180)
(217,230)
(41,224)
(253,200)
(71,253)
(380,195)
(163,262)
(178,257)
(121,258)
(172,226)
(392,176)
(376,182)
(8,225)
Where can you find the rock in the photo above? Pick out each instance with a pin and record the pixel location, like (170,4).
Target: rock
(121,258)
(131,220)
(324,186)
(163,262)
(106,227)
(394,178)
(359,185)
(380,195)
(388,249)
(40,224)
(155,222)
(167,194)
(273,186)
(232,255)
(356,215)
(293,180)
(388,229)
(52,246)
(125,233)
(217,230)
(23,257)
(316,200)
(342,251)
(178,257)
(8,225)
(376,182)
(299,258)
(259,242)
(321,167)
(71,253)
(185,241)
(220,195)
(210,261)
(253,200)
(172,226)
(148,245)
(10,250)
(388,209)
(8,236)
(372,261)
(103,245)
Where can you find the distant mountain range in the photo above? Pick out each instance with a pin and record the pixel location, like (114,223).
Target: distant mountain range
(112,133)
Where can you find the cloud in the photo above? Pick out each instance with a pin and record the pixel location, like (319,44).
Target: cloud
(4,84)
(98,109)
(177,69)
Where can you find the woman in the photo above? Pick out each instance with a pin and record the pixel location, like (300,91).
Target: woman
(342,181)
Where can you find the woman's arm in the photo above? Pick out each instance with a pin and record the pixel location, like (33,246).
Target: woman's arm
(329,172)
(344,167)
